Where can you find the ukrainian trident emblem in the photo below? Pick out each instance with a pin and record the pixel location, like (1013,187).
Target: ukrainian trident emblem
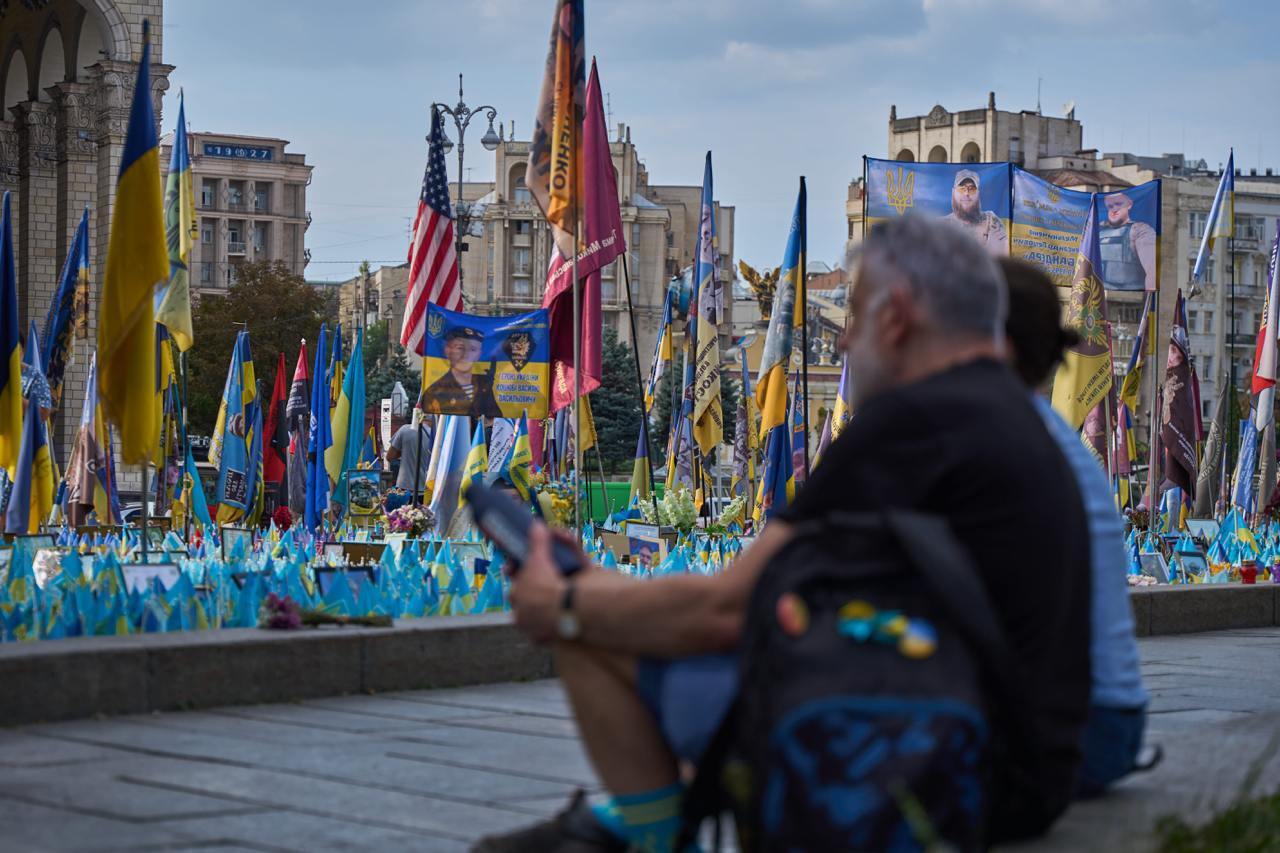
(900,189)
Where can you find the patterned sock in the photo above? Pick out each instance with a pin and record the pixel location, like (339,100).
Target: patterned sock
(648,821)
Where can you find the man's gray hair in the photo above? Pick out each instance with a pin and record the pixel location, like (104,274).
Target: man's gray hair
(948,271)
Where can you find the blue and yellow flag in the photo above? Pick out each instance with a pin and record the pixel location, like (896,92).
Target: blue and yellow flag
(788,314)
(477,458)
(64,313)
(1084,377)
(173,301)
(349,419)
(31,500)
(519,470)
(193,492)
(1143,345)
(137,261)
(1221,222)
(799,418)
(641,484)
(843,410)
(237,465)
(319,437)
(10,351)
(662,355)
(778,485)
(708,408)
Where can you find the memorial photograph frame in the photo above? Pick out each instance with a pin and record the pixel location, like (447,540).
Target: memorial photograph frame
(138,576)
(1154,565)
(230,534)
(363,492)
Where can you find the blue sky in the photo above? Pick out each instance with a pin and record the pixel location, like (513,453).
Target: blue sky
(774,89)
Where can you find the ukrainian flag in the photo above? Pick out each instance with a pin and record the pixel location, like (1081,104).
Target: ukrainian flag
(350,419)
(788,314)
(844,402)
(1222,216)
(662,356)
(477,459)
(32,498)
(10,351)
(778,486)
(136,262)
(520,463)
(173,301)
(64,314)
(339,415)
(1142,345)
(641,485)
(237,467)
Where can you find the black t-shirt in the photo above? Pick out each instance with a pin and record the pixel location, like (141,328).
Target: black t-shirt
(968,444)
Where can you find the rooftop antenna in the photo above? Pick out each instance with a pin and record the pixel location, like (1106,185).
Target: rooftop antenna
(608,110)
(1039,80)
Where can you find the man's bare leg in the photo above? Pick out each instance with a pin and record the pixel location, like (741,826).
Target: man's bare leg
(620,734)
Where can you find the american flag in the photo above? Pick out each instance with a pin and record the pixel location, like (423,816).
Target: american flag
(433,260)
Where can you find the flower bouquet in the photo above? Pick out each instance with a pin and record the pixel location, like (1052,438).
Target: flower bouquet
(282,613)
(411,519)
(555,500)
(675,509)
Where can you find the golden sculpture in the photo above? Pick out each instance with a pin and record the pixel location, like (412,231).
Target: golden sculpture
(763,286)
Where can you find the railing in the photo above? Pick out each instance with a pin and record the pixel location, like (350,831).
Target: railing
(237,206)
(207,204)
(235,247)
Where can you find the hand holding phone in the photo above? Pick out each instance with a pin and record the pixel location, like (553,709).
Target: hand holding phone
(507,524)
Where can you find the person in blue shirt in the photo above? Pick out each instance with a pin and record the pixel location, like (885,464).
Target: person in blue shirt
(1118,702)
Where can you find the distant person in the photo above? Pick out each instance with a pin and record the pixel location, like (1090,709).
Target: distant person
(1128,248)
(459,391)
(944,427)
(966,211)
(405,446)
(1118,701)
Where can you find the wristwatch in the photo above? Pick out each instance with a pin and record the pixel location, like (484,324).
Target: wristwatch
(567,625)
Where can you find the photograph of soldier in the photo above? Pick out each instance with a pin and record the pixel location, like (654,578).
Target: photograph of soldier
(459,391)
(1128,248)
(967,212)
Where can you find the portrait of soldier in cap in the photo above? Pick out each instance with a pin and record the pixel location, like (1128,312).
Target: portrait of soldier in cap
(967,212)
(459,391)
(1128,248)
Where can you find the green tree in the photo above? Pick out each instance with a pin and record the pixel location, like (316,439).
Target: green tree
(385,364)
(279,309)
(615,405)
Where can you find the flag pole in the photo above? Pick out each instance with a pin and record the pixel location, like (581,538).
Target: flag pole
(577,365)
(804,320)
(635,351)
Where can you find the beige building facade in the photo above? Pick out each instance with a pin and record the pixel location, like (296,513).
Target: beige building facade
(508,244)
(67,72)
(251,205)
(1053,148)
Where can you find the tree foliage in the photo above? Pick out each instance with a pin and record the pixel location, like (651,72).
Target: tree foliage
(385,364)
(279,309)
(616,405)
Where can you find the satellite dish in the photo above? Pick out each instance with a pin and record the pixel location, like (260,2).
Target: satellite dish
(1069,109)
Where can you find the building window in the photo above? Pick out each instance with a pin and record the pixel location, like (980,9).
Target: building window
(260,237)
(235,197)
(1208,323)
(522,227)
(1193,321)
(208,193)
(520,286)
(206,233)
(206,273)
(1249,227)
(1207,365)
(635,237)
(521,260)
(262,199)
(1195,221)
(608,289)
(521,193)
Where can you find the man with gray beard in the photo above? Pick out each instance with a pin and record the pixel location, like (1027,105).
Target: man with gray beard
(966,211)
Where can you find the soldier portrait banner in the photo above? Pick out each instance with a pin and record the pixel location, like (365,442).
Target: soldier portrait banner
(486,366)
(973,195)
(1048,220)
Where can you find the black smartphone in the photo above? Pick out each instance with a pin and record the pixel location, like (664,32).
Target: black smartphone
(506,523)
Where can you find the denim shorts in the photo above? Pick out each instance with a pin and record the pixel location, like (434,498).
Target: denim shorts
(688,697)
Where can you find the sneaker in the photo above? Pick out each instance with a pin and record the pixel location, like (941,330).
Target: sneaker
(574,830)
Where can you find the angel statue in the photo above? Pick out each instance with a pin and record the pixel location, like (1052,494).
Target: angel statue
(762,286)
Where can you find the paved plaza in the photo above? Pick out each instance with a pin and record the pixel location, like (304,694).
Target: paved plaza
(433,770)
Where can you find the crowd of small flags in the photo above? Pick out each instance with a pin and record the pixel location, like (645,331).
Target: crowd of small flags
(88,585)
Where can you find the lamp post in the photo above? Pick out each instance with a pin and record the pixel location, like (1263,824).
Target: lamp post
(462,115)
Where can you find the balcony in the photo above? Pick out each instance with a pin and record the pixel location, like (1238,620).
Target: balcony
(207,204)
(237,206)
(235,247)
(263,208)
(1241,341)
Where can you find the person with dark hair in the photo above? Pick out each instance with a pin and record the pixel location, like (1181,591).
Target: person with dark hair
(459,391)
(943,427)
(1117,713)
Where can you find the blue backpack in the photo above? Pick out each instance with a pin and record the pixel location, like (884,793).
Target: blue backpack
(873,675)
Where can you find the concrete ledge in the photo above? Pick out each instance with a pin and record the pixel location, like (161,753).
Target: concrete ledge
(88,676)
(1208,607)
